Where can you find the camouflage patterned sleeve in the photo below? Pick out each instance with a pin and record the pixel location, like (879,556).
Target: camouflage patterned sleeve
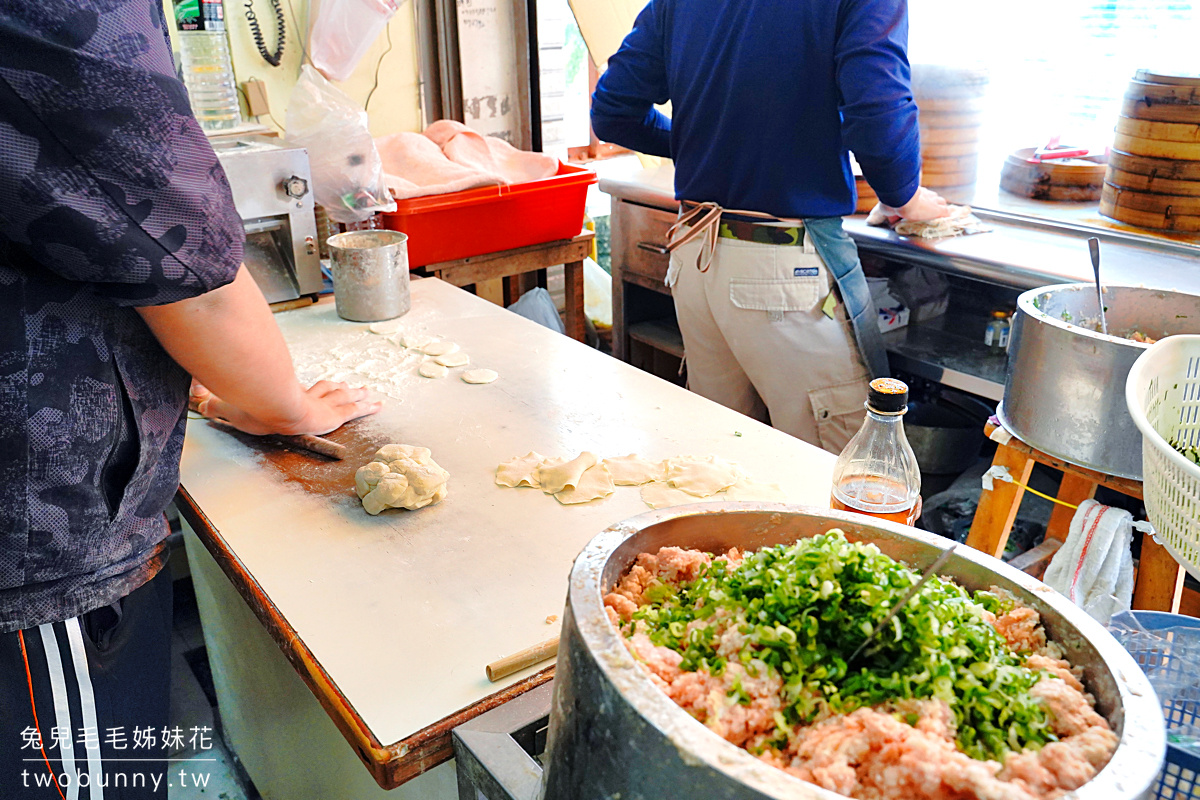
(105,175)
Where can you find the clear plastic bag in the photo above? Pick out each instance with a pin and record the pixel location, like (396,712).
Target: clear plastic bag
(343,31)
(597,294)
(537,305)
(347,173)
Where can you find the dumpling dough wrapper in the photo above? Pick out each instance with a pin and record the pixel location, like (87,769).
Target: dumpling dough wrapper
(633,470)
(702,477)
(556,474)
(747,489)
(520,471)
(595,483)
(661,494)
(400,476)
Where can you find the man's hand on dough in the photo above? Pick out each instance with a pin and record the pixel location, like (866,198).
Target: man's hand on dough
(326,407)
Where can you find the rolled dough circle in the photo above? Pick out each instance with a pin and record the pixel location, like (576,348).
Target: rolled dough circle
(416,340)
(439,348)
(385,328)
(432,369)
(480,376)
(455,359)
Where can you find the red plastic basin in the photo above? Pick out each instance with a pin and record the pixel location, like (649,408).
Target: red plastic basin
(446,227)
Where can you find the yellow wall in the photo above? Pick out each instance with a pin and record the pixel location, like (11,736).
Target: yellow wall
(395,106)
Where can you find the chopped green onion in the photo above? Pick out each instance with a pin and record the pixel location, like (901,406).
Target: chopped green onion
(804,608)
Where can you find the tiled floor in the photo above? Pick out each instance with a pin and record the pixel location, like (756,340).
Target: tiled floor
(203,769)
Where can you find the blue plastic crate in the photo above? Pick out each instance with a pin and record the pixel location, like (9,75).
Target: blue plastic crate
(1180,776)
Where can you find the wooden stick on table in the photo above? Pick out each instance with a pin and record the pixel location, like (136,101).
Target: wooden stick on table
(525,658)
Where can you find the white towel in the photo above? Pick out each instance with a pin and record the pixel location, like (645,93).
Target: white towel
(1094,567)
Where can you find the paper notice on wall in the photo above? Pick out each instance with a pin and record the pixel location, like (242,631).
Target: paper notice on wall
(488,56)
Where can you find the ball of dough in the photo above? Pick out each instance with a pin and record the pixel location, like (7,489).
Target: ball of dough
(367,477)
(400,476)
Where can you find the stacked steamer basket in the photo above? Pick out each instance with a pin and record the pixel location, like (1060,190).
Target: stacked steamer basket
(866,196)
(951,104)
(1153,178)
(1067,179)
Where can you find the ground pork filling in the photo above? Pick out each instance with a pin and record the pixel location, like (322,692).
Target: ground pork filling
(904,749)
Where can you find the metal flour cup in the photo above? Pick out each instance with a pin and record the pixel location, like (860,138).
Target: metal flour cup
(370,275)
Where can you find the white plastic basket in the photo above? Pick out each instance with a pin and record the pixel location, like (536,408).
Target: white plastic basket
(1163,395)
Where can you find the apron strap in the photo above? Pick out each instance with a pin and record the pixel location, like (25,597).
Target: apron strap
(704,219)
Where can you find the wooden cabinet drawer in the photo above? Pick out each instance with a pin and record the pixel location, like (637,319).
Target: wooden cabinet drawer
(639,237)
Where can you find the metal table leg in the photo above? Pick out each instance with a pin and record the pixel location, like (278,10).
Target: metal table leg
(494,752)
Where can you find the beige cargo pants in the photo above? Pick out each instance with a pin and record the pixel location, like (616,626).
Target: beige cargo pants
(757,341)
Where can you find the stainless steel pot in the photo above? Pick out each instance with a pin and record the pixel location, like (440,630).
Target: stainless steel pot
(613,733)
(1063,392)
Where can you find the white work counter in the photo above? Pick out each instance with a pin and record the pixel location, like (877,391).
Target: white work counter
(390,620)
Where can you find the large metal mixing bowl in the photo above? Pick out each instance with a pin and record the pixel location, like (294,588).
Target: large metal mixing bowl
(613,733)
(1063,393)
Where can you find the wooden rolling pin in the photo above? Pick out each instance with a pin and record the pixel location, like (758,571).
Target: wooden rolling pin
(308,442)
(519,661)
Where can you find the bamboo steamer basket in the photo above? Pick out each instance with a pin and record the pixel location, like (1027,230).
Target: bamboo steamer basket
(1070,179)
(1157,148)
(1163,168)
(951,116)
(951,164)
(936,136)
(1141,108)
(1160,131)
(1169,78)
(1153,178)
(866,195)
(1154,184)
(1158,211)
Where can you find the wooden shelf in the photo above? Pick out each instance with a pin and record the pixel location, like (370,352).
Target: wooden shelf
(660,334)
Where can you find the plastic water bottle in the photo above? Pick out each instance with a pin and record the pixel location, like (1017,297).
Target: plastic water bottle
(206,66)
(208,75)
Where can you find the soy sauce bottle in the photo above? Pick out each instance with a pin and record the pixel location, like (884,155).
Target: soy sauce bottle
(877,474)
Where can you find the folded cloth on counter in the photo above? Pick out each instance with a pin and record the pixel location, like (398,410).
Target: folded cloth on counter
(449,157)
(959,221)
(1094,567)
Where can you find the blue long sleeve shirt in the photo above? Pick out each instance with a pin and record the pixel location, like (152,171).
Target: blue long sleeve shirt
(767,98)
